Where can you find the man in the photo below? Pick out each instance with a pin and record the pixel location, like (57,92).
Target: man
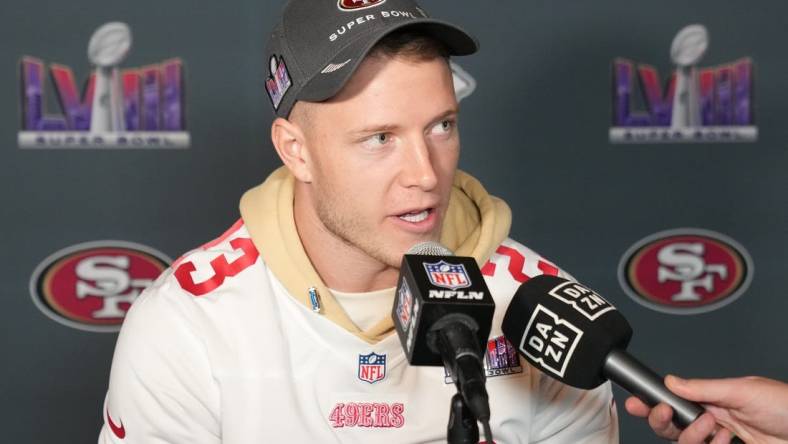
(754,408)
(280,330)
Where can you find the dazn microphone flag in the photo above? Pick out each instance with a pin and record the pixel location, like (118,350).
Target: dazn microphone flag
(565,329)
(571,333)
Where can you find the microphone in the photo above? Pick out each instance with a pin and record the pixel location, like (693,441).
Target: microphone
(443,314)
(572,334)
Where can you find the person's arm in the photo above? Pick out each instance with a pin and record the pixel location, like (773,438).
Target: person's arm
(160,387)
(754,408)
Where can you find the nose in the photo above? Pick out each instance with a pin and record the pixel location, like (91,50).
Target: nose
(417,168)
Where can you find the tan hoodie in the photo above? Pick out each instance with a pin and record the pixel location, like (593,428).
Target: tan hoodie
(475,224)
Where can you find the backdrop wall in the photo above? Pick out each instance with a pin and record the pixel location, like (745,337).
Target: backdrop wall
(535,132)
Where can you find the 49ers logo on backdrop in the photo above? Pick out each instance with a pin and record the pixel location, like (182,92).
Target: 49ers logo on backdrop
(352,5)
(90,286)
(685,271)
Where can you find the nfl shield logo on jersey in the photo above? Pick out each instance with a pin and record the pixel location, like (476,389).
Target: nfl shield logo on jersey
(446,275)
(371,367)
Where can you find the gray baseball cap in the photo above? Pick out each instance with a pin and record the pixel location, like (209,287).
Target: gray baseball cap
(318,44)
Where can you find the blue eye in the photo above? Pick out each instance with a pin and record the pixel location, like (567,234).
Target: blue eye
(443,127)
(377,141)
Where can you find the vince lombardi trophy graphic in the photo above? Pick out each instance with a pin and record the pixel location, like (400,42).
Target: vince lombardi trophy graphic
(687,49)
(108,46)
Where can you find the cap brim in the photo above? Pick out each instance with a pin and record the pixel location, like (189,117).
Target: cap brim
(325,85)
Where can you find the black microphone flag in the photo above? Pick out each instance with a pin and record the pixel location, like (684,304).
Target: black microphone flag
(571,333)
(432,286)
(565,329)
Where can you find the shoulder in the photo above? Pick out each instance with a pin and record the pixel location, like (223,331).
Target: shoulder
(169,326)
(213,271)
(203,270)
(513,263)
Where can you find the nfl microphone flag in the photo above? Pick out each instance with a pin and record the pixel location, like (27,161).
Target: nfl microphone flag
(431,287)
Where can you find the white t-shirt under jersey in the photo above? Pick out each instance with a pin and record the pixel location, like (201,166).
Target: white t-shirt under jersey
(365,309)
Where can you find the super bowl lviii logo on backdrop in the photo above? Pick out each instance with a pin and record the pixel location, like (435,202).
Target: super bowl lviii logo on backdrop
(685,271)
(90,286)
(130,108)
(696,104)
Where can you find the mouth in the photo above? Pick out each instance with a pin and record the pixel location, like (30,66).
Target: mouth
(416,216)
(418,221)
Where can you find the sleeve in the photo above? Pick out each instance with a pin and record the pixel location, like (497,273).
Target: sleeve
(160,388)
(567,415)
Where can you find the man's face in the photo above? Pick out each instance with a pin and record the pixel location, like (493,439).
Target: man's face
(383,155)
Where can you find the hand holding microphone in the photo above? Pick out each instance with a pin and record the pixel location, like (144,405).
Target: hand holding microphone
(755,408)
(575,336)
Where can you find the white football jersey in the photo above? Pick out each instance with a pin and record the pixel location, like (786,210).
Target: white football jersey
(217,350)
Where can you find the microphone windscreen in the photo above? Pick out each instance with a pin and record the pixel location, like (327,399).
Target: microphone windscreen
(565,329)
(430,248)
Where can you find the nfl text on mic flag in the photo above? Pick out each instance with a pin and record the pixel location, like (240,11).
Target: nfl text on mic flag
(571,333)
(443,314)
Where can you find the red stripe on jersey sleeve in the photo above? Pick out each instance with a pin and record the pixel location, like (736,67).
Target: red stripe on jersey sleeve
(516,263)
(235,227)
(488,269)
(547,268)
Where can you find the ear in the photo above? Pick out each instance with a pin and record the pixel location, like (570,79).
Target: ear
(290,144)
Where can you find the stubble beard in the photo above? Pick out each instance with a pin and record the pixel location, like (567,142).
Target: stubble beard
(347,227)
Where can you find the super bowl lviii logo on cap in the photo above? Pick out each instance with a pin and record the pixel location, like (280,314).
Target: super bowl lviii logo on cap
(278,81)
(130,108)
(90,286)
(696,104)
(685,271)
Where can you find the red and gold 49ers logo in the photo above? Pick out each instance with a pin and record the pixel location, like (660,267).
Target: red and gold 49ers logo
(90,286)
(352,5)
(685,271)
